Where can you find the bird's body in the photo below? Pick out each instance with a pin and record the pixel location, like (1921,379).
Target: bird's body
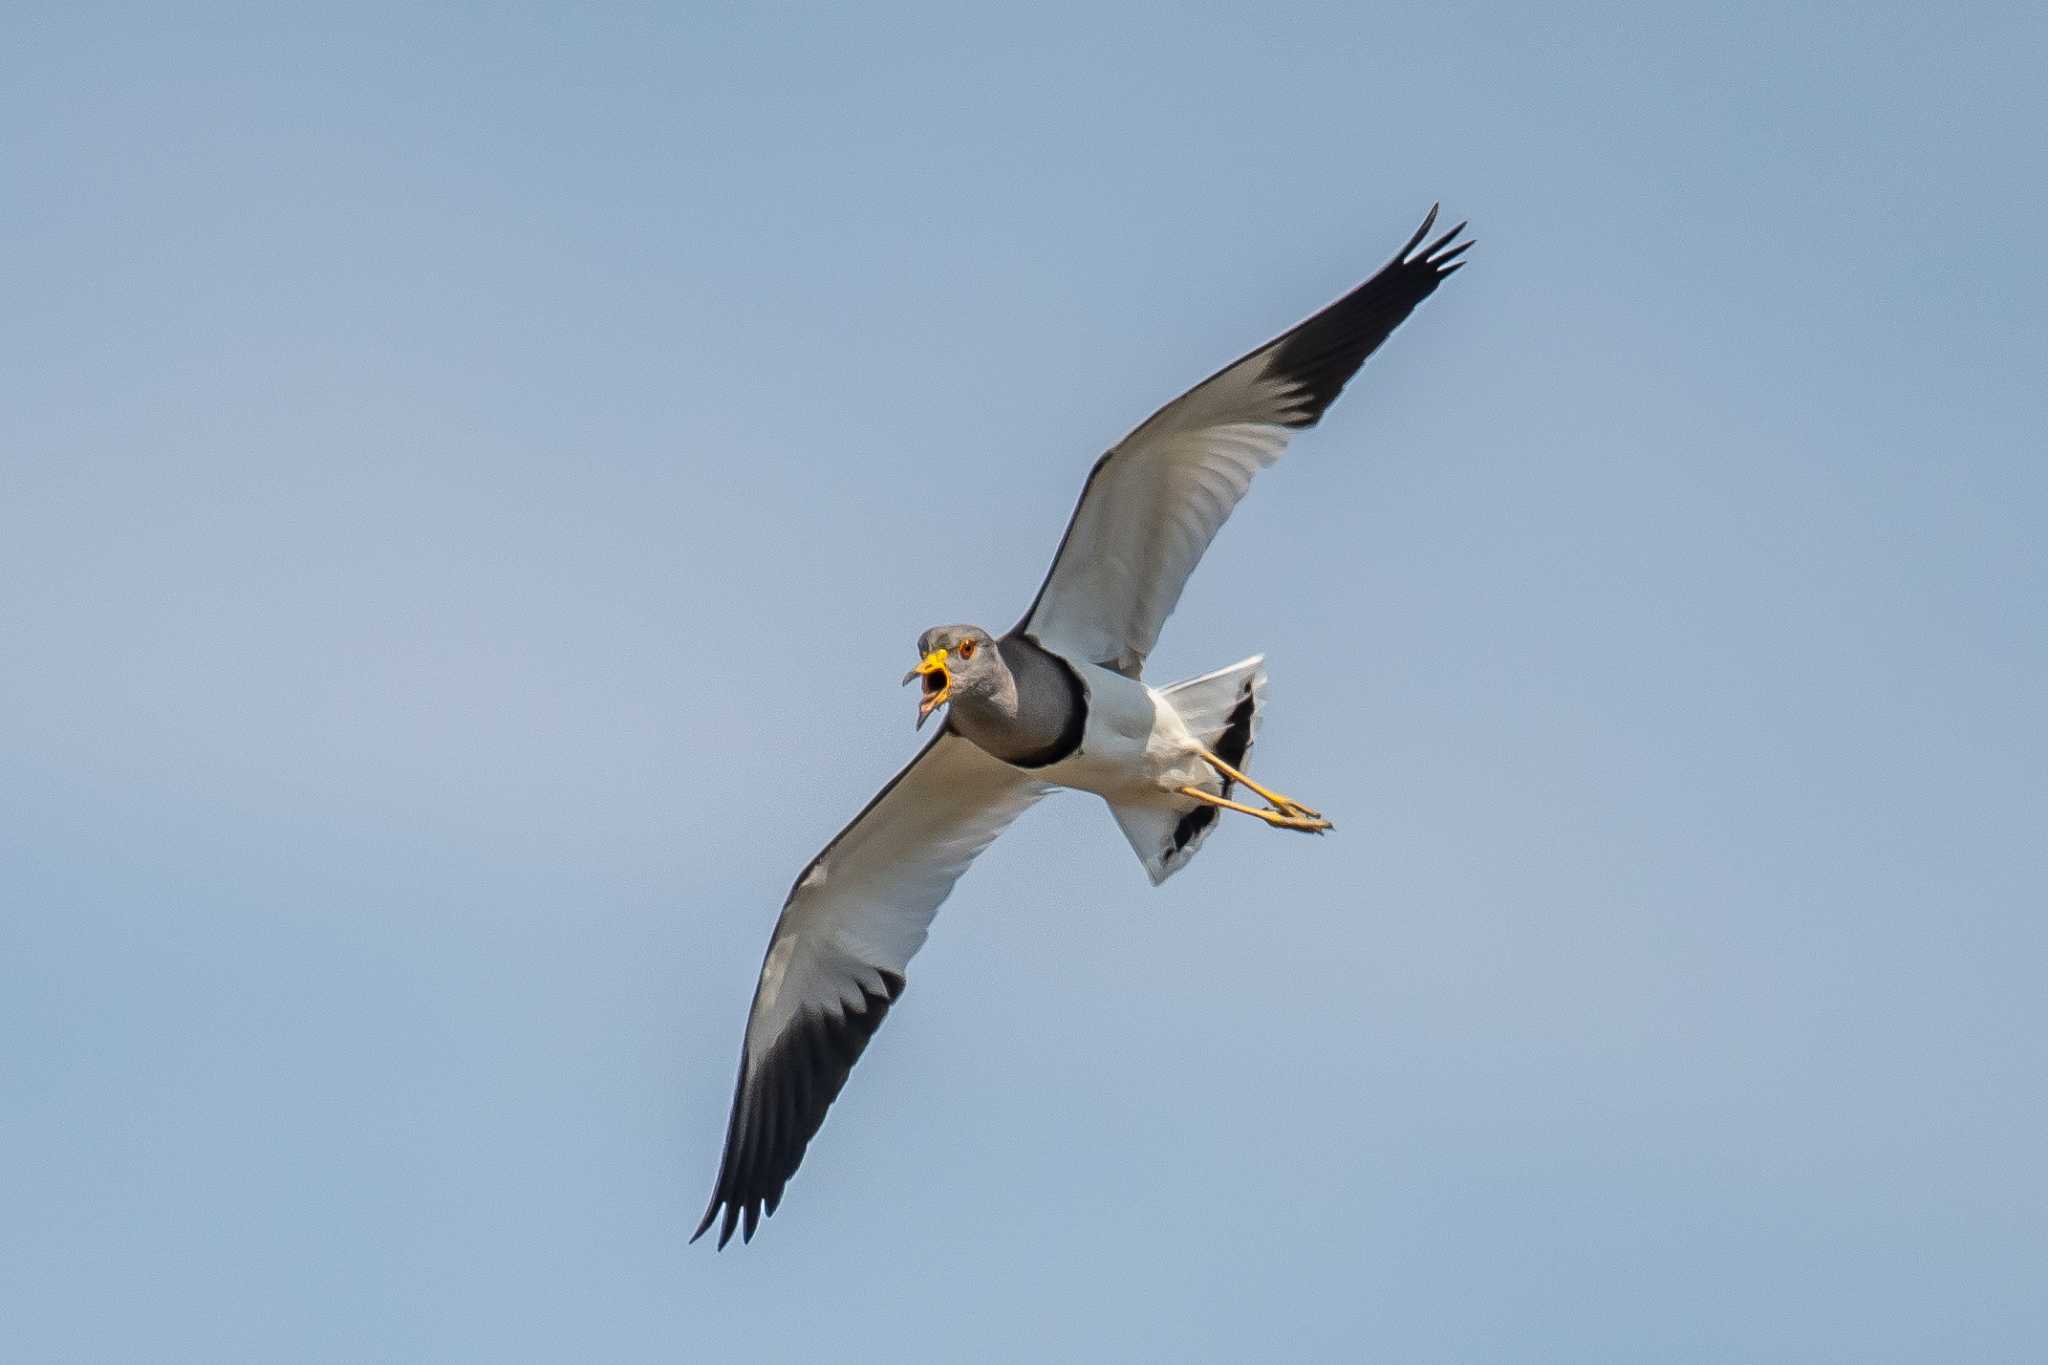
(1135,749)
(1153,754)
(1127,743)
(1057,701)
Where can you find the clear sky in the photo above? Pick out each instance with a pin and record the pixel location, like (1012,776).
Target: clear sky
(471,478)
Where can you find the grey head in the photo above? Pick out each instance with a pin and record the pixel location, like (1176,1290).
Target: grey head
(957,663)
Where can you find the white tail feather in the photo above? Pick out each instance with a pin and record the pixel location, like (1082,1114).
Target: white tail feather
(1166,835)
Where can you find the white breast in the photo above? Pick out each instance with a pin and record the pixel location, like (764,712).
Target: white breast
(1134,746)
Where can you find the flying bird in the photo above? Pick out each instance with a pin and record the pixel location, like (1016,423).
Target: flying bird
(1059,700)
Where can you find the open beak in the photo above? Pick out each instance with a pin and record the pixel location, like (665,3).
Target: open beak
(938,684)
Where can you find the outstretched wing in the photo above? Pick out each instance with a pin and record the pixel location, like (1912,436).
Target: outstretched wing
(835,962)
(1152,505)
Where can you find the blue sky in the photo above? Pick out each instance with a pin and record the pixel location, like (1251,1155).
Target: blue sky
(471,478)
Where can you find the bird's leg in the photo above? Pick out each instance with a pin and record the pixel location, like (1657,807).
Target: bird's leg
(1277,819)
(1286,805)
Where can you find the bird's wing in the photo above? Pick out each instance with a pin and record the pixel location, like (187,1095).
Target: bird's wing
(835,962)
(1152,505)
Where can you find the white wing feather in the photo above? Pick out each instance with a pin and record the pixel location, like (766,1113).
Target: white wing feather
(1152,505)
(836,960)
(1150,511)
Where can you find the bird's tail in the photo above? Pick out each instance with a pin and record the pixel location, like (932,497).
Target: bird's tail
(1220,709)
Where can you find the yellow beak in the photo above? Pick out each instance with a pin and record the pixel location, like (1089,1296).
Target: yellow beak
(938,686)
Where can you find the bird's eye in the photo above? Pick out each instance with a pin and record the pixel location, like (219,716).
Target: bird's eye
(967,649)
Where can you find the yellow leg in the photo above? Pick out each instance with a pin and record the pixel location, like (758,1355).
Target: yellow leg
(1277,819)
(1286,805)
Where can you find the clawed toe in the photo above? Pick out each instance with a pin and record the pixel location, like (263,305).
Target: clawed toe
(1311,824)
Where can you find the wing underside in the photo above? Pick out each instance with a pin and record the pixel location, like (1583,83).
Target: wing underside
(837,958)
(1152,505)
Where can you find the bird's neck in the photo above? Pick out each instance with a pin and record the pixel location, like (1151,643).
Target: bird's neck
(990,710)
(1031,712)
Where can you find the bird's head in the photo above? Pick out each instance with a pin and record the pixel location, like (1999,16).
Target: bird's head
(953,660)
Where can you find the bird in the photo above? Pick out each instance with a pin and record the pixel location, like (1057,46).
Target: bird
(1057,701)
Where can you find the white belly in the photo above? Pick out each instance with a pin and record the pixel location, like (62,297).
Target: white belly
(1134,747)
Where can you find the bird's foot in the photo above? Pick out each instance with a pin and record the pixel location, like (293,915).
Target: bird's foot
(1283,805)
(1307,824)
(1287,805)
(1298,818)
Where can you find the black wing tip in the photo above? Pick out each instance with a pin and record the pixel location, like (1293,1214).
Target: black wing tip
(731,1207)
(1445,262)
(1434,256)
(760,1157)
(1428,222)
(1322,354)
(719,1204)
